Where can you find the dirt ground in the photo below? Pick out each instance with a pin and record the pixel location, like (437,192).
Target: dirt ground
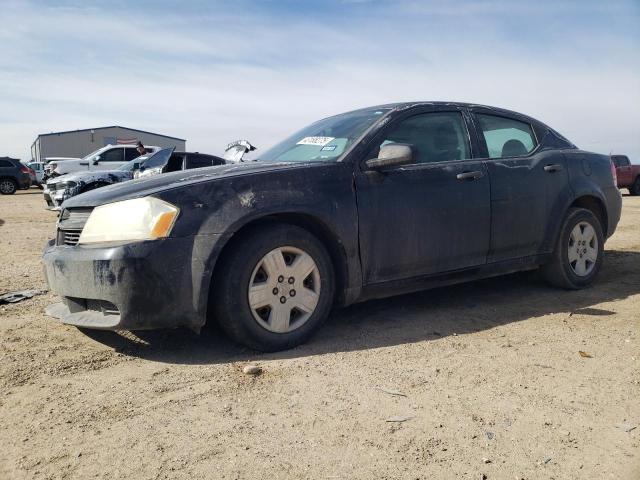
(490,375)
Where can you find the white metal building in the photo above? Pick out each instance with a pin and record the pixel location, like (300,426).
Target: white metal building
(78,143)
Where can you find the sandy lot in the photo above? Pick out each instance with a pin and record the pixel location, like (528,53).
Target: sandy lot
(488,370)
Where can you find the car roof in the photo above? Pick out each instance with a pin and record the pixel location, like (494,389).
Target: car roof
(399,106)
(194,153)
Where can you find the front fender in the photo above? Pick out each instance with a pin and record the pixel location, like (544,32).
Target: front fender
(216,211)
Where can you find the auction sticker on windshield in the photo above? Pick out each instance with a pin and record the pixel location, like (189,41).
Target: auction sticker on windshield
(319,141)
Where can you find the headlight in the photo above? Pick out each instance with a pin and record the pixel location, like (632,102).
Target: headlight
(63,185)
(145,218)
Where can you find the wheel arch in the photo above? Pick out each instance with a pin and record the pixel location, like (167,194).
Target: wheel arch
(309,222)
(595,205)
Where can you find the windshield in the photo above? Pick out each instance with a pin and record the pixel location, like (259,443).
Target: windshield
(94,153)
(325,140)
(158,159)
(128,167)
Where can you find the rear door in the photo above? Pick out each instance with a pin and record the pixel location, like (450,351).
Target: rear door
(527,184)
(431,216)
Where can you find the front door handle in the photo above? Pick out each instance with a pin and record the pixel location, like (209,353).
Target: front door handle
(469,175)
(552,168)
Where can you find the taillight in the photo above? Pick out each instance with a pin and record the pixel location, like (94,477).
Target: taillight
(614,174)
(24,169)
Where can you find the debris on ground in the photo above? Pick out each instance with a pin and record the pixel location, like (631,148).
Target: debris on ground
(392,392)
(15,297)
(489,435)
(625,427)
(399,418)
(584,354)
(486,460)
(252,370)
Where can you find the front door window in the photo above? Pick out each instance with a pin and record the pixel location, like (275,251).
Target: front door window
(434,137)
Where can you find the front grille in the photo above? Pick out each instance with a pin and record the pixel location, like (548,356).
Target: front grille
(70,225)
(68,237)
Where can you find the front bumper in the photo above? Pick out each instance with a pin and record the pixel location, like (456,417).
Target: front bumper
(136,286)
(54,198)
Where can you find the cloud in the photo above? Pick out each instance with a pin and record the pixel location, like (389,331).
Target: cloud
(213,76)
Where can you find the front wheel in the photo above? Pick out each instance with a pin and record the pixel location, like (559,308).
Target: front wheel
(577,258)
(274,288)
(635,188)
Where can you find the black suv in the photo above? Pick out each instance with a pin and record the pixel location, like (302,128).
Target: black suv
(366,204)
(13,176)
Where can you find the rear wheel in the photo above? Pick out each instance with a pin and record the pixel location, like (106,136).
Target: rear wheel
(274,289)
(8,186)
(635,188)
(577,258)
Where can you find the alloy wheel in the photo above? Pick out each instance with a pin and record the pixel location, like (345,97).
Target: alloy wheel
(7,186)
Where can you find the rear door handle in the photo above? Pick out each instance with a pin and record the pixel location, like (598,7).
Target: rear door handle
(469,175)
(553,168)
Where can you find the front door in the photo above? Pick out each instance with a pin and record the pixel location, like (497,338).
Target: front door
(109,159)
(428,217)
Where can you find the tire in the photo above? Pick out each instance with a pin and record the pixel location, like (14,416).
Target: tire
(635,188)
(265,260)
(8,186)
(573,265)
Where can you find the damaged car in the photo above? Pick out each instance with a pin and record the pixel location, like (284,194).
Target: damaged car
(166,160)
(361,205)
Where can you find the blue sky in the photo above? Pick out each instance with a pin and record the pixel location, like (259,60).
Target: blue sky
(215,71)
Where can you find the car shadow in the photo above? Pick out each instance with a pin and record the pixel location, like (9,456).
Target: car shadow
(416,317)
(29,192)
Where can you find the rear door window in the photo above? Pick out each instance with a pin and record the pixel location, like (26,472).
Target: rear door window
(5,164)
(130,154)
(198,161)
(506,137)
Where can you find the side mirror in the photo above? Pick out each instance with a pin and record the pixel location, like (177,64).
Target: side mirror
(136,166)
(391,155)
(96,159)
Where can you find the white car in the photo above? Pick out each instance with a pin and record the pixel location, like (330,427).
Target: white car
(38,168)
(109,157)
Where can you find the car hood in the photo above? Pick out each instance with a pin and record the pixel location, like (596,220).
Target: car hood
(109,176)
(143,187)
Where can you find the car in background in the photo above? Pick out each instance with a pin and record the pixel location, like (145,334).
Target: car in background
(38,173)
(66,186)
(108,157)
(366,204)
(627,173)
(13,175)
